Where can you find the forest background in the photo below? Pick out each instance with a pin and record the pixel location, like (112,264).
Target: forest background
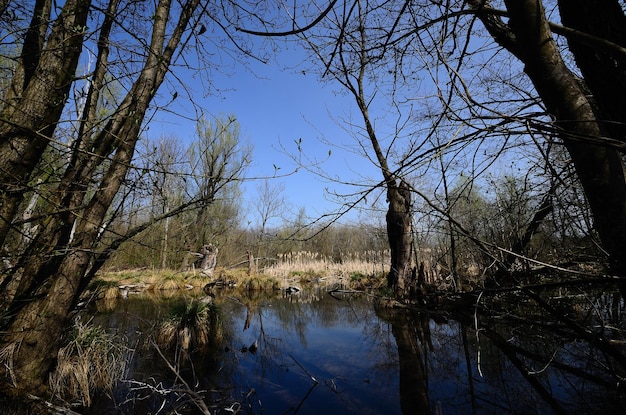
(496,132)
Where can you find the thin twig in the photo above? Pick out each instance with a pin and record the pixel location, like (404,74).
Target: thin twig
(303,369)
(196,398)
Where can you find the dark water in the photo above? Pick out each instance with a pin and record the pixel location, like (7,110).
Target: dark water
(319,354)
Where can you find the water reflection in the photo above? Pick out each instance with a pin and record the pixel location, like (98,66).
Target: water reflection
(411,333)
(315,353)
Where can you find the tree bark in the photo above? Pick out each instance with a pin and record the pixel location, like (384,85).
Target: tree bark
(209,259)
(54,280)
(400,236)
(37,96)
(604,72)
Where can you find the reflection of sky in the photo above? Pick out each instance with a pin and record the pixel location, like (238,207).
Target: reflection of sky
(334,352)
(353,355)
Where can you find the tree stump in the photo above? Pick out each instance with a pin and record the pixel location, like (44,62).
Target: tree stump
(252,270)
(209,259)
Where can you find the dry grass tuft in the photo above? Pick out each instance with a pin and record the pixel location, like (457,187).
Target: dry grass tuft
(6,359)
(195,279)
(170,283)
(111,293)
(92,361)
(188,328)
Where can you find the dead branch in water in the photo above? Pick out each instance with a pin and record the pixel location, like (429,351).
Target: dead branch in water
(303,369)
(342,291)
(196,398)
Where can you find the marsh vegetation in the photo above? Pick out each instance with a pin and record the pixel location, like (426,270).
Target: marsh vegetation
(343,351)
(490,220)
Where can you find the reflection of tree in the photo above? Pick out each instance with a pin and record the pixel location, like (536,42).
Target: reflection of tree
(282,324)
(530,377)
(564,350)
(468,366)
(506,355)
(516,352)
(412,333)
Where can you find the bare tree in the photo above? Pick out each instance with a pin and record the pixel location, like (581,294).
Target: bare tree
(85,162)
(269,205)
(583,108)
(558,83)
(352,65)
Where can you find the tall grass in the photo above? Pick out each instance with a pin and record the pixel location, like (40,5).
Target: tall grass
(190,327)
(92,361)
(315,264)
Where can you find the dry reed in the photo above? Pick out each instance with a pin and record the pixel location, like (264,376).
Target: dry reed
(315,264)
(6,359)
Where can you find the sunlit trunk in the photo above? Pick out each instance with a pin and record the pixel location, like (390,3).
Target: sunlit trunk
(400,237)
(62,257)
(38,96)
(32,341)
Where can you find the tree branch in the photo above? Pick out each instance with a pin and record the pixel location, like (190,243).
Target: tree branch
(291,32)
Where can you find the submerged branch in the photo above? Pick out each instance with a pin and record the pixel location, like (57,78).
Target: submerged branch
(303,369)
(197,400)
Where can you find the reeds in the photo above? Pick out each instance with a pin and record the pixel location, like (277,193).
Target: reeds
(6,359)
(344,265)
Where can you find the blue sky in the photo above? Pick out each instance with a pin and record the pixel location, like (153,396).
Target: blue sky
(277,104)
(275,108)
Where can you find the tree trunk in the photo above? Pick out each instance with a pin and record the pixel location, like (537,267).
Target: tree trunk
(400,236)
(577,119)
(38,97)
(165,247)
(399,216)
(252,269)
(600,169)
(53,281)
(35,336)
(209,259)
(603,70)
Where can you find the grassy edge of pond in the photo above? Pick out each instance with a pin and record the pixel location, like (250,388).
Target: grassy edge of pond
(111,283)
(76,358)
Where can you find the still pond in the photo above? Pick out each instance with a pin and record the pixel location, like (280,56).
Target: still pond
(315,352)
